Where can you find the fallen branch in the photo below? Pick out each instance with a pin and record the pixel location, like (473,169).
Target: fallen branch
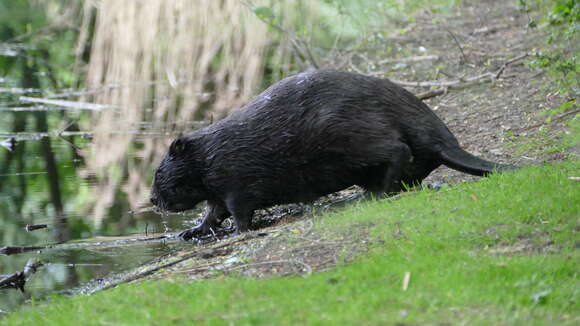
(410,59)
(444,90)
(446,83)
(460,83)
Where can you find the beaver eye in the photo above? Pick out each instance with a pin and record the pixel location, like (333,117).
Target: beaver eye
(177,147)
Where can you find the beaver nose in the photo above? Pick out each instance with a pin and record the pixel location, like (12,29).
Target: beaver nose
(154,200)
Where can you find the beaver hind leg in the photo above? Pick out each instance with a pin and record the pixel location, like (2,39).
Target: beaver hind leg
(386,178)
(242,210)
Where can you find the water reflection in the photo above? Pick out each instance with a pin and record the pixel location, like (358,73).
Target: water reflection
(80,167)
(49,177)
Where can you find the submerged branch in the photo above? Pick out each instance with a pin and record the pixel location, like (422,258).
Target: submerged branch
(68,104)
(33,227)
(12,250)
(18,279)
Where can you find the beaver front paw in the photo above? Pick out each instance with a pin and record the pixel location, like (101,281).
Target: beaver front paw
(196,233)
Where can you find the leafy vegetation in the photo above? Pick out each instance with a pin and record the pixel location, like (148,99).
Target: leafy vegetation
(30,35)
(561,60)
(500,251)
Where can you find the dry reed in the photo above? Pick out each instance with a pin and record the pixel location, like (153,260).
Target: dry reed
(172,61)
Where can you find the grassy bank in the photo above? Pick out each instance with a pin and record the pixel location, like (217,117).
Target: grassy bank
(499,251)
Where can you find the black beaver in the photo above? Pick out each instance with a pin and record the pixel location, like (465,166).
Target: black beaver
(304,137)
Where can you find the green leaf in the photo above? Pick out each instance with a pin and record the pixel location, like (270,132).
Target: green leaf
(264,13)
(566,105)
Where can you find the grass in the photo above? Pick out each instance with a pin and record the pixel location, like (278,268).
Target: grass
(499,251)
(547,139)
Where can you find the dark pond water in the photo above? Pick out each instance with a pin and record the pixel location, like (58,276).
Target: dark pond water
(47,176)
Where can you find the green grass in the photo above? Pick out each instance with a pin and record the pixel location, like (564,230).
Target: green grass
(447,240)
(548,140)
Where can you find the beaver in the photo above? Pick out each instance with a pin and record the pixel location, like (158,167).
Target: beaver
(304,137)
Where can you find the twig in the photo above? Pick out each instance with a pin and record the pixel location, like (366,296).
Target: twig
(463,56)
(59,134)
(273,262)
(444,90)
(446,83)
(410,59)
(74,265)
(500,71)
(296,44)
(196,268)
(8,144)
(488,29)
(67,104)
(432,93)
(33,227)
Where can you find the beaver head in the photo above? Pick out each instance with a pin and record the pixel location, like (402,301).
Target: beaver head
(177,185)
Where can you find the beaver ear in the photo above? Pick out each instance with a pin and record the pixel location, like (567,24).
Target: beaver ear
(177,147)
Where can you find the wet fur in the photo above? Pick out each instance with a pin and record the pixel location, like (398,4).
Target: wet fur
(304,137)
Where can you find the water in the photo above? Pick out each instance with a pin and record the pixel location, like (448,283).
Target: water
(49,177)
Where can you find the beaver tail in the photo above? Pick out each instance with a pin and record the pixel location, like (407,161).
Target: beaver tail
(460,160)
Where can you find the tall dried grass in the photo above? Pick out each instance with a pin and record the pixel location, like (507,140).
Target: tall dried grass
(173,61)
